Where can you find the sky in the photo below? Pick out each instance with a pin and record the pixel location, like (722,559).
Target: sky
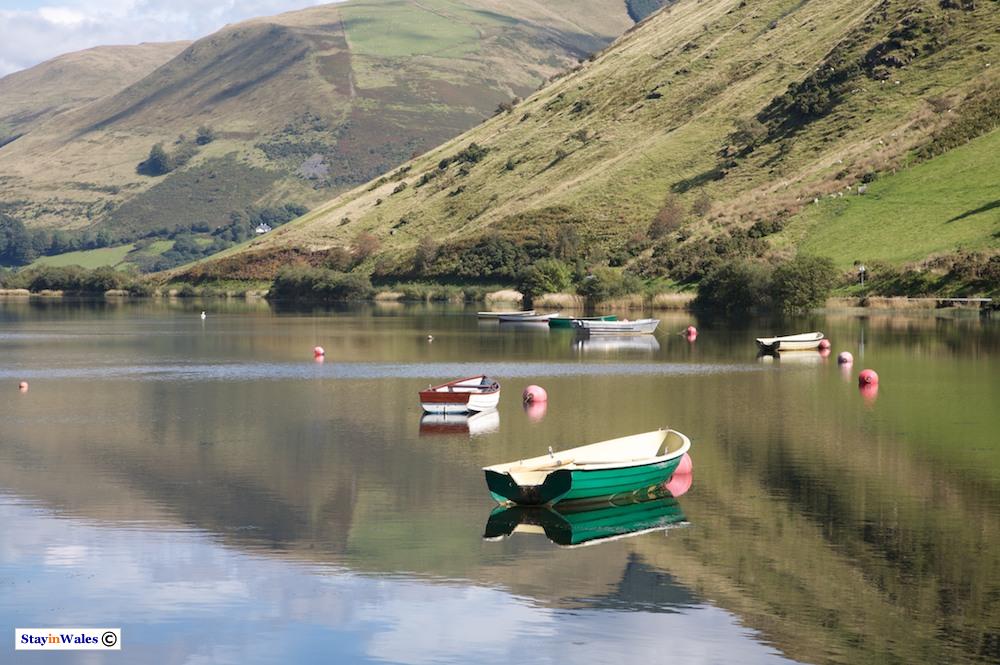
(32,31)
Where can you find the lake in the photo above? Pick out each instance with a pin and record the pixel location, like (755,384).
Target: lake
(210,489)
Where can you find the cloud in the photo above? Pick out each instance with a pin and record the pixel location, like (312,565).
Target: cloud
(30,35)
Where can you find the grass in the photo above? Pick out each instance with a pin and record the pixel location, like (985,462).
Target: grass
(659,106)
(91,258)
(404,29)
(362,85)
(951,201)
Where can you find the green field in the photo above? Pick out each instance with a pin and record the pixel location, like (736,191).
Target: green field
(91,258)
(401,29)
(951,201)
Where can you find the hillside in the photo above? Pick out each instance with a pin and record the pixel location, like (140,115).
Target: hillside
(29,97)
(727,121)
(293,108)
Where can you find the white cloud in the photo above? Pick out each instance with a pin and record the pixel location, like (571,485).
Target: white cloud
(33,34)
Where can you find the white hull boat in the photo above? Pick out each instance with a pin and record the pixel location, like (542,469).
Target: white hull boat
(803,342)
(528,318)
(637,327)
(497,315)
(477,393)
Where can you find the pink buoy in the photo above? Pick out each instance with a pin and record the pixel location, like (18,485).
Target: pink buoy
(867,377)
(824,344)
(845,358)
(686,465)
(679,484)
(536,410)
(23,386)
(534,394)
(691,331)
(318,352)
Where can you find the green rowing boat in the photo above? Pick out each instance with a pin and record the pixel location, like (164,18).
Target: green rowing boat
(567,322)
(588,472)
(578,523)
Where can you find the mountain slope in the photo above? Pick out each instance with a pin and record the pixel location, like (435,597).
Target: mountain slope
(742,113)
(69,81)
(300,104)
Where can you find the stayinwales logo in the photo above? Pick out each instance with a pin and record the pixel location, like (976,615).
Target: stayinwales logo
(68,639)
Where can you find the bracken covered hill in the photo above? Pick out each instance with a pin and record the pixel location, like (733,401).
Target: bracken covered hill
(300,106)
(743,128)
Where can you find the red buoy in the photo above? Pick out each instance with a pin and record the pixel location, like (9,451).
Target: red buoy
(318,352)
(534,394)
(824,344)
(867,377)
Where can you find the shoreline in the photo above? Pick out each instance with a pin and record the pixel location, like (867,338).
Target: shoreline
(504,298)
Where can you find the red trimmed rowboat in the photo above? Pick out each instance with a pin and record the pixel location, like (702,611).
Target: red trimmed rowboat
(477,393)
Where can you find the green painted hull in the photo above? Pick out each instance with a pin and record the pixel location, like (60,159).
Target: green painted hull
(577,523)
(564,322)
(567,485)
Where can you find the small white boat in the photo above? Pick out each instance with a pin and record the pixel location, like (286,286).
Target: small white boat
(477,393)
(624,327)
(803,342)
(527,318)
(497,315)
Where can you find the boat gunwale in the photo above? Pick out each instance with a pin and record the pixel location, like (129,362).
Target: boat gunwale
(494,387)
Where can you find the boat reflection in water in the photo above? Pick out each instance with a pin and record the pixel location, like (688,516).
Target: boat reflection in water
(615,343)
(811,357)
(588,522)
(475,424)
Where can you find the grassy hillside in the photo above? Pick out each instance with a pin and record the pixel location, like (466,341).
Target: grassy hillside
(949,202)
(29,97)
(741,114)
(294,108)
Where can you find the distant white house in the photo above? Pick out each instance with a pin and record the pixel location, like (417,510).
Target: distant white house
(262,229)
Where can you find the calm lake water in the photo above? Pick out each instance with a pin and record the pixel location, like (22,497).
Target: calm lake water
(208,488)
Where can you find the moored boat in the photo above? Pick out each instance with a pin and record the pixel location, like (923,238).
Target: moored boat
(527,318)
(496,315)
(476,393)
(586,472)
(803,342)
(626,327)
(575,523)
(567,322)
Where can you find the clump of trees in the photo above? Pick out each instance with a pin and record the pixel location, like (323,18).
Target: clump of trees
(73,279)
(320,284)
(745,286)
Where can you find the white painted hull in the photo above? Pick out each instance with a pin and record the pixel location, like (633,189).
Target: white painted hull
(640,327)
(804,342)
(476,403)
(530,318)
(497,315)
